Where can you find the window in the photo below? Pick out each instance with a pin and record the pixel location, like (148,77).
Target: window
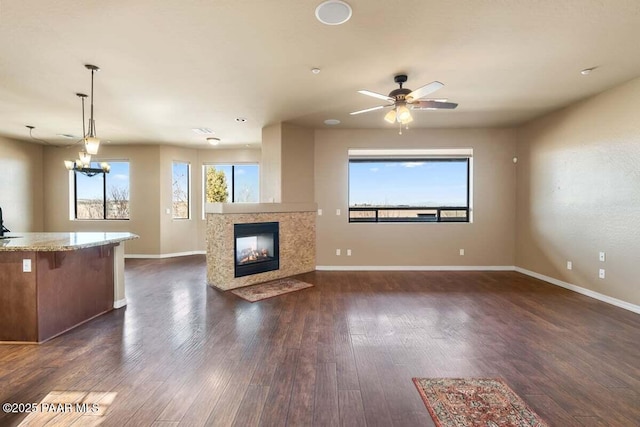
(231,183)
(180,190)
(409,188)
(103,196)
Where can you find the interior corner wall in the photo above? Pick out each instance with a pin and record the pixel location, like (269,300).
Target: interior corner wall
(21,196)
(579,193)
(297,164)
(488,241)
(271,164)
(144,161)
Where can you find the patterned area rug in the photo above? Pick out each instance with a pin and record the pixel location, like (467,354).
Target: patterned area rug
(270,289)
(463,402)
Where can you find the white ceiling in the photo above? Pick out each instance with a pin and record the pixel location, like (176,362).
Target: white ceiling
(169,66)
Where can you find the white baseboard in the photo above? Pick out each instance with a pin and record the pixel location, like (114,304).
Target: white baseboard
(120,303)
(415,267)
(161,256)
(596,295)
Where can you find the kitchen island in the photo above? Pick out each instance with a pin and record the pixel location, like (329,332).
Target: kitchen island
(53,282)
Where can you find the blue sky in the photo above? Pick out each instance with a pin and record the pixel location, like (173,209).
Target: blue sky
(413,183)
(180,174)
(91,187)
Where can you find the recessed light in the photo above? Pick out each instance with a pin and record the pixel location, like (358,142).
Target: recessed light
(587,71)
(203,131)
(333,12)
(213,141)
(332,122)
(241,120)
(315,70)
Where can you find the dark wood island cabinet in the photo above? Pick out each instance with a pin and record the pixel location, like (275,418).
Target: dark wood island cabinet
(53,282)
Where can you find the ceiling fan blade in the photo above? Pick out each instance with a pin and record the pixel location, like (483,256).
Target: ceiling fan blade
(376,95)
(370,109)
(433,105)
(424,90)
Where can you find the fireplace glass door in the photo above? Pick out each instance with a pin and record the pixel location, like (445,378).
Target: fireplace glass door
(256,248)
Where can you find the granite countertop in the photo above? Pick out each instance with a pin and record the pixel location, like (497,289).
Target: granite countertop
(59,241)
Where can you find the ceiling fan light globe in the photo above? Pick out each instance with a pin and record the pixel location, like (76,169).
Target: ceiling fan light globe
(92,144)
(390,117)
(407,120)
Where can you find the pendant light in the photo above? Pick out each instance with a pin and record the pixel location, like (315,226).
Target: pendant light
(91,141)
(83,163)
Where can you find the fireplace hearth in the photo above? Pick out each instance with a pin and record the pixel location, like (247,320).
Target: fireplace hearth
(256,248)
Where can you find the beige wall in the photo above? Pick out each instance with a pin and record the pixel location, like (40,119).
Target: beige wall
(144,195)
(297,164)
(579,193)
(21,185)
(488,241)
(271,164)
(286,174)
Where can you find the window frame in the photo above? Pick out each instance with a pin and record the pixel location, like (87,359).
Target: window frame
(432,217)
(233,179)
(188,192)
(104,193)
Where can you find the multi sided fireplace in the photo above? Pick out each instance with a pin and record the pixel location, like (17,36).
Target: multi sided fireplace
(256,248)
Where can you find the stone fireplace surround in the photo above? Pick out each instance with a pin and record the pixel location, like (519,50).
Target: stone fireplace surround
(297,240)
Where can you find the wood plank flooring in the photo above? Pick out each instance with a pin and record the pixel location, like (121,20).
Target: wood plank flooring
(340,353)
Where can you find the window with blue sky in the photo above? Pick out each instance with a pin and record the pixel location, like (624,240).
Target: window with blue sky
(103,196)
(229,183)
(180,190)
(409,190)
(431,183)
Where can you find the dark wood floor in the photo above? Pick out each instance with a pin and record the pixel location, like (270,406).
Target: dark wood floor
(341,353)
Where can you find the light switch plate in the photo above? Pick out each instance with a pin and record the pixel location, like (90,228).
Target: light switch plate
(26,266)
(319,212)
(569,265)
(337,211)
(601,256)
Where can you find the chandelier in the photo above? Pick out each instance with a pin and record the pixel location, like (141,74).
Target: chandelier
(91,141)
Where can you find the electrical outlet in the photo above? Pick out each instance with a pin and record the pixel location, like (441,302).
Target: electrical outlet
(602,256)
(319,212)
(601,273)
(26,266)
(338,252)
(348,252)
(168,211)
(461,252)
(569,265)
(337,211)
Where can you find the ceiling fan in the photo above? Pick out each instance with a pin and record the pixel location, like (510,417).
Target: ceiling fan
(401,100)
